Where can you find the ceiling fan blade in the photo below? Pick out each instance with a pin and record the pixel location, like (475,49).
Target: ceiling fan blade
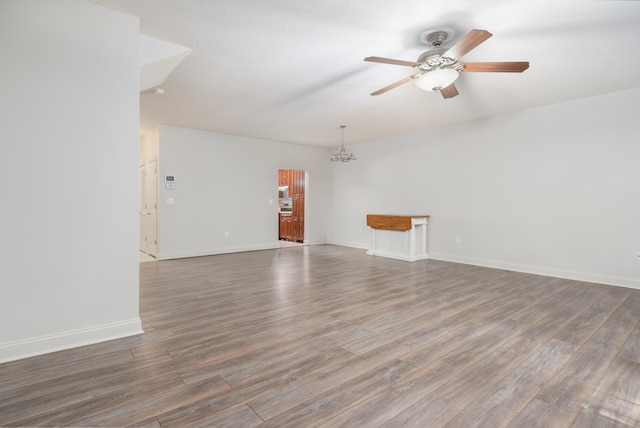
(468,42)
(390,61)
(505,67)
(393,85)
(450,91)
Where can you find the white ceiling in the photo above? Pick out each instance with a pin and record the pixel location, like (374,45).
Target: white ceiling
(293,70)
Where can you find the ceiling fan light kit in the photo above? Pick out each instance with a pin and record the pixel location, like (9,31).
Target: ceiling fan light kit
(439,67)
(437,79)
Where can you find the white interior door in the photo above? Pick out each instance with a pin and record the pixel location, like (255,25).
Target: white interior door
(142,210)
(148,208)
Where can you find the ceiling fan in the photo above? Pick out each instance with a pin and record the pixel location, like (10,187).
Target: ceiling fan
(439,67)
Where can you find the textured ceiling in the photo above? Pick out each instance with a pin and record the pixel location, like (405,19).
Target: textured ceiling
(293,70)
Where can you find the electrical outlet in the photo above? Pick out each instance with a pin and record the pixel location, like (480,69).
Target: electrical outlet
(638,256)
(458,240)
(226,233)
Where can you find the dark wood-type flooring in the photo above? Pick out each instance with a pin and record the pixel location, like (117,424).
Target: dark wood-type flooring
(328,336)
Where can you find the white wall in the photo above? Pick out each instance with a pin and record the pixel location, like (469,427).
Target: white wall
(552,190)
(224,183)
(68,164)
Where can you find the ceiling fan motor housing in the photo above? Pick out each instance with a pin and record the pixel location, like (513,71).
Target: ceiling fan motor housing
(433,59)
(437,38)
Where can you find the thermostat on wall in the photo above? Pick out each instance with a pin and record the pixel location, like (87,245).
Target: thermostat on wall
(169,178)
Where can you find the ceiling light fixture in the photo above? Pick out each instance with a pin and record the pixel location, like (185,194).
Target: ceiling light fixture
(436,79)
(343,155)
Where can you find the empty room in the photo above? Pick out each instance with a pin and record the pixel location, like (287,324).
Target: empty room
(290,213)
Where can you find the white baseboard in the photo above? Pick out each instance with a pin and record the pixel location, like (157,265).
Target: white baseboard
(31,347)
(229,250)
(405,258)
(539,270)
(349,244)
(535,270)
(314,242)
(215,251)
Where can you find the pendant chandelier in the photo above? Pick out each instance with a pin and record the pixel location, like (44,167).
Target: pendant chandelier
(343,155)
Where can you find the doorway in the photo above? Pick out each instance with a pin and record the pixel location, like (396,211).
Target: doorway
(291,200)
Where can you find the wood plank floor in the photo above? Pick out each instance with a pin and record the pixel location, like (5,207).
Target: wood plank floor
(328,336)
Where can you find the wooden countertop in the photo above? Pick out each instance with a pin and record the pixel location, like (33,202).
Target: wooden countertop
(391,222)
